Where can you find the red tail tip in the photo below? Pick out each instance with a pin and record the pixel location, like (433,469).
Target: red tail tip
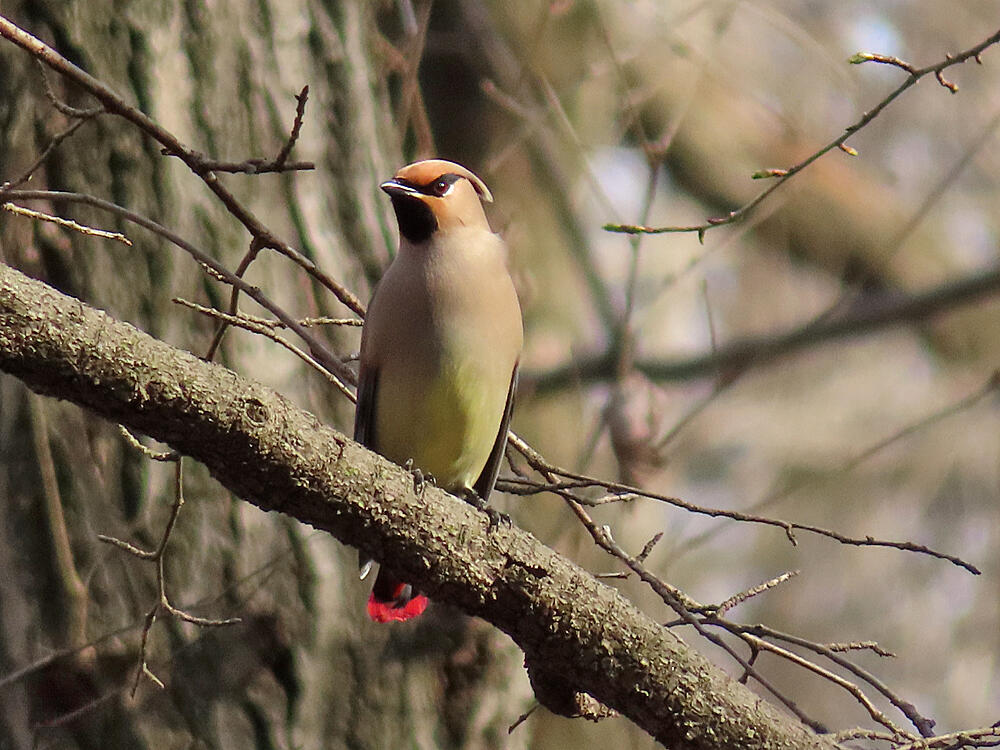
(386,612)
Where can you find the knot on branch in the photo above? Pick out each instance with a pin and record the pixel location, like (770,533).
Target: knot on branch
(560,697)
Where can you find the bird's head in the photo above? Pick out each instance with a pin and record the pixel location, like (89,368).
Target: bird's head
(436,195)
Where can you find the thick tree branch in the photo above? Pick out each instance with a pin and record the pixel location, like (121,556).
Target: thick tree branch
(278,457)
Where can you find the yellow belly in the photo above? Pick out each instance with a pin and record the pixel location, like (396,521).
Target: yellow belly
(445,422)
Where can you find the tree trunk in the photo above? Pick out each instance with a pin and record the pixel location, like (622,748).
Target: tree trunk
(304,668)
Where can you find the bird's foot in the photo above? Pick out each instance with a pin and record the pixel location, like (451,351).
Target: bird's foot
(420,480)
(496,517)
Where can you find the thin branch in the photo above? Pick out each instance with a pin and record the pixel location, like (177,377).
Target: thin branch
(985,737)
(163,601)
(783,175)
(832,652)
(673,597)
(196,162)
(697,615)
(412,110)
(300,112)
(826,674)
(252,166)
(234,298)
(860,733)
(538,462)
(53,144)
(254,326)
(749,593)
(280,163)
(316,346)
(682,604)
(163,456)
(61,106)
(700,616)
(67,223)
(522,718)
(307,322)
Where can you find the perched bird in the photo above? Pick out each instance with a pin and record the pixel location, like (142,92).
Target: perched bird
(439,349)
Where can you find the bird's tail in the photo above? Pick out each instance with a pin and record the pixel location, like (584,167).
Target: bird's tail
(391,599)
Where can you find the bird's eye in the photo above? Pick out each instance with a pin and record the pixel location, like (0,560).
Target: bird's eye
(440,187)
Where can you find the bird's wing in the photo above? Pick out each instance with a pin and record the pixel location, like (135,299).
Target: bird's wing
(488,477)
(364,431)
(364,413)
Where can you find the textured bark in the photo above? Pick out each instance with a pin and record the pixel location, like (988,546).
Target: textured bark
(305,669)
(278,457)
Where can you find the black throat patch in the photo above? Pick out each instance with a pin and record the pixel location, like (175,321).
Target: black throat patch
(416,222)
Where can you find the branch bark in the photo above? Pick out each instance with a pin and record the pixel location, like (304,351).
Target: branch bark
(278,457)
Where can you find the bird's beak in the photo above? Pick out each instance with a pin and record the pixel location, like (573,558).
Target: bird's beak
(400,189)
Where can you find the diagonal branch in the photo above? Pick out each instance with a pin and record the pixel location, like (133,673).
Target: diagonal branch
(783,175)
(205,169)
(276,456)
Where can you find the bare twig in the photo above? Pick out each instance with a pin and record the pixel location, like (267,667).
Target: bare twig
(700,617)
(681,603)
(234,298)
(861,646)
(163,601)
(68,223)
(300,112)
(304,322)
(53,144)
(685,607)
(749,593)
(648,546)
(114,104)
(251,166)
(985,737)
(147,452)
(316,346)
(59,104)
(923,724)
(412,107)
(522,718)
(826,674)
(860,733)
(783,175)
(252,325)
(539,463)
(261,166)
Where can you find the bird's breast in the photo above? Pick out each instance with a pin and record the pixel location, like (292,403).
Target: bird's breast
(446,338)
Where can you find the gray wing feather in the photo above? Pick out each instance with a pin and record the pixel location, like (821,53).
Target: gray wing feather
(364,432)
(488,477)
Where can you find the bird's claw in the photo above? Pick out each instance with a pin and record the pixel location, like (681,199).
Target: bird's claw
(496,517)
(420,480)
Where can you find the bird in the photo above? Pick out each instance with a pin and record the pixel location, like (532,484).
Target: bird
(440,349)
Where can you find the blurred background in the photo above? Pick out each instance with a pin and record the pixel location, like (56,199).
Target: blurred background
(576,114)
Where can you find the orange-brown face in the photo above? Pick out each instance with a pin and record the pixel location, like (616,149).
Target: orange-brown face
(436,195)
